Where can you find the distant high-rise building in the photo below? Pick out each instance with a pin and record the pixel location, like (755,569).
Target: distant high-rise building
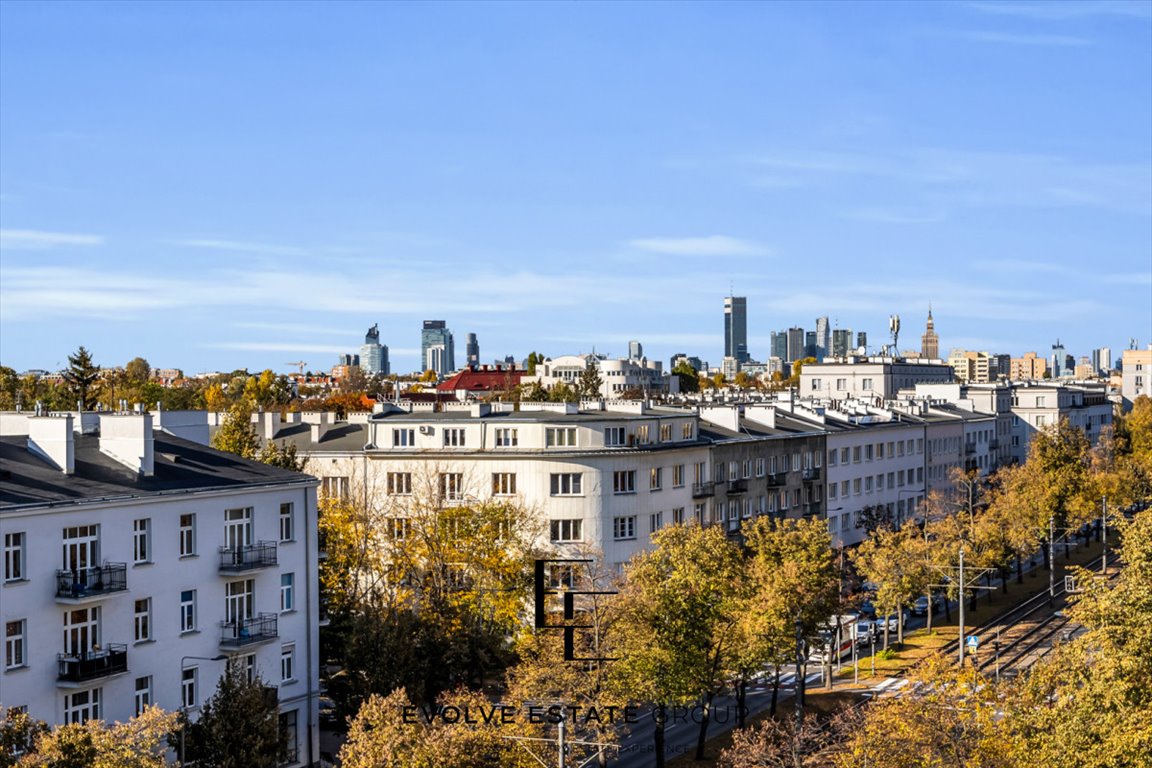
(374,355)
(862,340)
(779,344)
(841,341)
(1003,366)
(795,345)
(811,348)
(1058,362)
(1031,366)
(1102,360)
(736,327)
(930,342)
(823,338)
(635,350)
(471,350)
(348,360)
(437,350)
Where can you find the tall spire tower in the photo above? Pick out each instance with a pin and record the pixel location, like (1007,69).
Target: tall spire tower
(930,342)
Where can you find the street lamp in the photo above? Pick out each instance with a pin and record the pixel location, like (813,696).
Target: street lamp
(183,703)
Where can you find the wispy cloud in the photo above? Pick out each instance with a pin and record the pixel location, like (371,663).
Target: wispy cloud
(39,240)
(713,245)
(240,246)
(1065,9)
(1017,38)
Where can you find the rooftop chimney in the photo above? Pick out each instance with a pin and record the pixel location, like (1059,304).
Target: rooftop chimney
(127,438)
(271,424)
(50,438)
(319,422)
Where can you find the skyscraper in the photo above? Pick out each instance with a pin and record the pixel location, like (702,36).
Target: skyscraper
(862,341)
(841,341)
(779,342)
(736,328)
(795,344)
(823,338)
(635,350)
(1102,360)
(1057,360)
(437,351)
(811,348)
(471,350)
(373,355)
(930,342)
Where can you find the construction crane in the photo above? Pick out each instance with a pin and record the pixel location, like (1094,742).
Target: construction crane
(300,364)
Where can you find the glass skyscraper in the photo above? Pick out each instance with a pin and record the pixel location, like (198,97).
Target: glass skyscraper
(736,328)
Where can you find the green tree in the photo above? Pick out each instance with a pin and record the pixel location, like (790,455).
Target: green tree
(236,434)
(689,377)
(671,618)
(238,727)
(81,378)
(141,742)
(18,735)
(563,392)
(9,386)
(283,456)
(534,359)
(588,386)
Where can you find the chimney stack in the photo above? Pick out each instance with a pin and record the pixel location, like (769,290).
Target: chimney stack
(127,438)
(50,438)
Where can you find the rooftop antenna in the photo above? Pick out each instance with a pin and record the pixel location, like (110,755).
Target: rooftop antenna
(894,327)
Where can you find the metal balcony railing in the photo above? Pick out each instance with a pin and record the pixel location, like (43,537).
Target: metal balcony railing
(777,479)
(969,448)
(92,665)
(810,474)
(993,444)
(703,490)
(258,629)
(92,582)
(248,557)
(737,486)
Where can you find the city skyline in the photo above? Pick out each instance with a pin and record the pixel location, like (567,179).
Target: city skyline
(212,187)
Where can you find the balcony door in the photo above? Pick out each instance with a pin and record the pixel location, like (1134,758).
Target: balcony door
(238,528)
(81,549)
(238,601)
(81,631)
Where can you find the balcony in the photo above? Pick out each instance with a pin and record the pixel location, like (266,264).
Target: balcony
(92,665)
(811,474)
(813,509)
(969,449)
(777,479)
(993,444)
(91,583)
(737,486)
(703,490)
(248,557)
(245,632)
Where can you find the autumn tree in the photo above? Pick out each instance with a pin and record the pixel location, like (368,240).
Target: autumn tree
(891,560)
(141,742)
(238,727)
(689,377)
(236,434)
(81,378)
(18,735)
(671,622)
(281,455)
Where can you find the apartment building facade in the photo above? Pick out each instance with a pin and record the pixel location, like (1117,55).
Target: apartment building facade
(136,563)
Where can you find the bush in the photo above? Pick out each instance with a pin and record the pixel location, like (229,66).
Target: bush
(886,654)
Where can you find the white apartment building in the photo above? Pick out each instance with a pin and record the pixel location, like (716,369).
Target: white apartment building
(616,376)
(1037,405)
(870,377)
(1135,375)
(136,562)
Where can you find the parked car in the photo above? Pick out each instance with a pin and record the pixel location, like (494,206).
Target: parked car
(865,632)
(892,620)
(329,718)
(920,607)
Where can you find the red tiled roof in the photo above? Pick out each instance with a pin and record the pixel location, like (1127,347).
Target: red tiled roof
(482,379)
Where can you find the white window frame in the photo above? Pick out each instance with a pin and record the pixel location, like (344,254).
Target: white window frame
(455,437)
(288,663)
(559,437)
(287,521)
(568,529)
(189,679)
(82,706)
(624,482)
(656,479)
(403,437)
(506,437)
(566,484)
(452,486)
(677,475)
(187,534)
(287,592)
(141,541)
(624,528)
(503,483)
(143,695)
(142,619)
(187,610)
(15,644)
(615,437)
(399,483)
(15,556)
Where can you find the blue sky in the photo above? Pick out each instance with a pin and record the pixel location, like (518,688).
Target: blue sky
(223,185)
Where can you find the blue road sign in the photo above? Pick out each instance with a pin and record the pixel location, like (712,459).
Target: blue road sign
(973,641)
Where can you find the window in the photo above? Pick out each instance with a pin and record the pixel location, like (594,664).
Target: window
(399,483)
(566,484)
(403,438)
(624,481)
(15,643)
(188,687)
(855,454)
(287,592)
(856,486)
(678,476)
(559,436)
(567,530)
(614,436)
(624,527)
(143,619)
(816,385)
(678,516)
(891,480)
(841,384)
(760,467)
(141,540)
(656,478)
(288,663)
(81,631)
(1040,401)
(844,488)
(287,529)
(1041,420)
(506,438)
(399,527)
(718,472)
(665,433)
(642,434)
(866,384)
(687,430)
(868,452)
(289,735)
(188,611)
(143,693)
(247,663)
(503,483)
(14,565)
(187,535)
(452,486)
(82,706)
(655,521)
(843,455)
(454,438)
(832,490)
(746,469)
(334,487)
(868,484)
